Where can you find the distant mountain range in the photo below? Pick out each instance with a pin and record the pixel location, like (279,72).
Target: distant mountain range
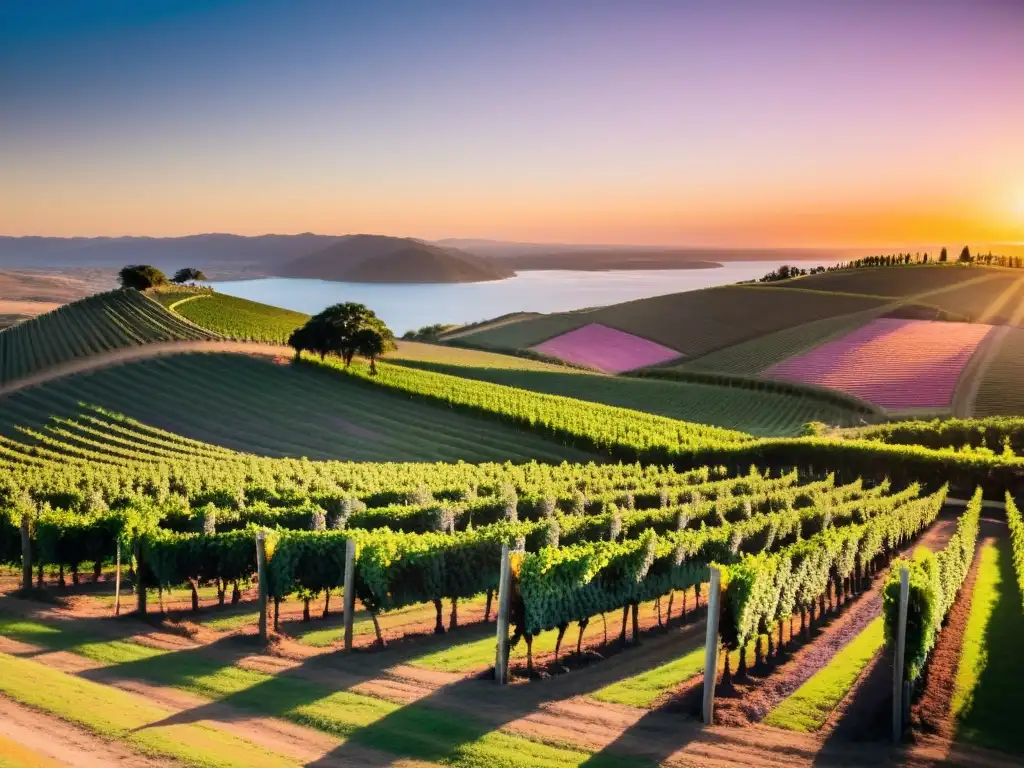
(363,258)
(380,259)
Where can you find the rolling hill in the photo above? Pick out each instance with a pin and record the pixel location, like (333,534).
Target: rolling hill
(231,317)
(379,259)
(100,323)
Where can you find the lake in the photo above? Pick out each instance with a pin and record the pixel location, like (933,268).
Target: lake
(407,306)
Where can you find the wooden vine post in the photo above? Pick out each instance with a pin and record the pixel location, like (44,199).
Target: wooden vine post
(140,587)
(26,554)
(711,645)
(117,581)
(504,600)
(349,594)
(899,690)
(261,575)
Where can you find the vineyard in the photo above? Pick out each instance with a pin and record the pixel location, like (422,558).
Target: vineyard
(334,565)
(302,412)
(625,547)
(99,323)
(232,318)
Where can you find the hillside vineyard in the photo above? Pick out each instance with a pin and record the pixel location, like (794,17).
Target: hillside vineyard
(336,550)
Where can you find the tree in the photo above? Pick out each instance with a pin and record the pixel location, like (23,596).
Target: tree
(141,277)
(965,256)
(372,342)
(302,340)
(344,330)
(187,275)
(943,256)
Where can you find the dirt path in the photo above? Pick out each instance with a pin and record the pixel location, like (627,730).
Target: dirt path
(557,710)
(143,352)
(64,743)
(932,712)
(552,711)
(754,700)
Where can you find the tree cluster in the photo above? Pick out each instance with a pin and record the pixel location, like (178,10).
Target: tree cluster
(786,271)
(428,332)
(345,330)
(142,277)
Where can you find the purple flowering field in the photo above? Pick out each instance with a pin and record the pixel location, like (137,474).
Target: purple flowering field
(598,346)
(895,364)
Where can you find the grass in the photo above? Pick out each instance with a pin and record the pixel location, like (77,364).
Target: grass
(302,411)
(807,708)
(316,635)
(416,352)
(416,731)
(99,323)
(986,699)
(14,755)
(117,715)
(475,655)
(645,689)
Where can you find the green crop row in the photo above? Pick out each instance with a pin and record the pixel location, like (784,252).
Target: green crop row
(765,588)
(617,432)
(1016,525)
(96,324)
(556,586)
(998,434)
(230,509)
(241,319)
(935,582)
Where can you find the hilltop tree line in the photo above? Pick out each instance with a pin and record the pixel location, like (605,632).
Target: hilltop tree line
(787,271)
(142,277)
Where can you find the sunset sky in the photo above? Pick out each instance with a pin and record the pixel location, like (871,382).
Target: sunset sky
(694,122)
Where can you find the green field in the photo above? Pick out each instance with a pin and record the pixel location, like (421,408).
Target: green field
(526,332)
(97,324)
(747,410)
(901,282)
(1000,392)
(254,405)
(414,352)
(232,317)
(695,323)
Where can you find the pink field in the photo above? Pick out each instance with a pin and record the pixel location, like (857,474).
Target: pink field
(896,364)
(598,346)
